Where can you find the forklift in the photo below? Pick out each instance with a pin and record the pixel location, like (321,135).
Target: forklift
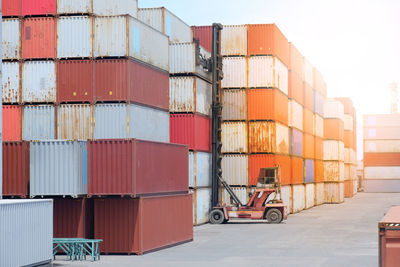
(260,206)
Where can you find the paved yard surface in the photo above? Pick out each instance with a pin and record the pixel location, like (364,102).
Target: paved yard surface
(327,235)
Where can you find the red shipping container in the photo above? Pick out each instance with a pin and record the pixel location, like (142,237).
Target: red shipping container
(130,80)
(11,8)
(267,104)
(258,161)
(39,7)
(389,238)
(135,167)
(73,218)
(39,38)
(318,171)
(308,96)
(204,35)
(16,169)
(308,121)
(296,91)
(12,123)
(333,129)
(143,224)
(381,159)
(296,61)
(74,81)
(192,130)
(297,170)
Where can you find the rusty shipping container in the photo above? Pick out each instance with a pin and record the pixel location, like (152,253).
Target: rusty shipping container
(333,171)
(299,197)
(204,35)
(11,38)
(234,105)
(39,38)
(39,82)
(16,169)
(266,160)
(12,123)
(268,137)
(334,193)
(319,193)
(234,137)
(234,40)
(129,226)
(39,7)
(389,236)
(72,218)
(11,77)
(11,8)
(267,104)
(74,122)
(135,167)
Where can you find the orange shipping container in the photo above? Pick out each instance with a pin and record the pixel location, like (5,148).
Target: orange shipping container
(308,121)
(381,159)
(334,129)
(39,38)
(268,137)
(319,148)
(295,90)
(319,171)
(308,96)
(256,162)
(296,61)
(267,39)
(318,82)
(348,139)
(348,105)
(308,146)
(297,170)
(348,188)
(267,104)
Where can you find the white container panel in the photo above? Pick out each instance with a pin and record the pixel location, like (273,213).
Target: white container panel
(74,7)
(319,193)
(286,197)
(334,150)
(381,133)
(11,39)
(333,171)
(333,109)
(299,198)
(382,146)
(241,193)
(235,72)
(235,169)
(308,72)
(347,155)
(39,82)
(334,193)
(318,126)
(202,205)
(74,37)
(310,195)
(38,123)
(382,120)
(74,122)
(26,232)
(347,172)
(382,186)
(295,115)
(191,170)
(115,7)
(234,137)
(11,82)
(386,172)
(268,72)
(110,121)
(202,168)
(234,40)
(282,139)
(348,122)
(234,105)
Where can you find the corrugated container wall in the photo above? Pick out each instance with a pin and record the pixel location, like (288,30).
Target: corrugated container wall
(38,123)
(268,137)
(382,146)
(235,169)
(235,72)
(308,72)
(115,7)
(75,6)
(11,8)
(257,161)
(58,168)
(11,123)
(296,61)
(39,82)
(74,122)
(241,193)
(334,192)
(380,120)
(44,7)
(11,38)
(333,109)
(319,193)
(30,224)
(383,133)
(267,104)
(11,82)
(299,197)
(201,205)
(39,38)
(234,137)
(234,40)
(295,115)
(234,105)
(202,169)
(310,195)
(204,35)
(111,121)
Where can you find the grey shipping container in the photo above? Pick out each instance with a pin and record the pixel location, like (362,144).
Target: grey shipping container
(38,123)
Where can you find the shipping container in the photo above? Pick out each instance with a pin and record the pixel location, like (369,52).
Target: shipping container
(267,39)
(234,40)
(308,171)
(297,170)
(241,192)
(234,105)
(267,72)
(318,103)
(129,226)
(72,218)
(267,104)
(111,121)
(382,120)
(381,186)
(58,168)
(333,109)
(39,38)
(74,122)
(75,81)
(190,95)
(234,137)
(256,162)
(355,187)
(295,115)
(295,87)
(333,150)
(389,238)
(299,198)
(39,7)
(235,169)
(308,146)
(381,133)
(382,146)
(308,72)
(296,61)
(16,169)
(39,82)
(319,148)
(319,171)
(130,80)
(75,7)
(308,121)
(74,37)
(12,120)
(318,82)
(268,137)
(201,169)
(38,123)
(11,82)
(382,172)
(318,126)
(125,36)
(192,182)
(204,35)
(235,72)
(348,138)
(166,22)
(333,129)
(348,189)
(319,193)
(334,193)
(348,105)
(201,205)
(295,142)
(192,130)
(26,235)
(11,8)
(134,167)
(11,38)
(333,171)
(183,59)
(115,7)
(286,197)
(348,122)
(310,195)
(308,96)
(347,170)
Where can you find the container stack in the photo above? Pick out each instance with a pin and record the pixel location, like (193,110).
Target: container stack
(334,151)
(382,153)
(83,83)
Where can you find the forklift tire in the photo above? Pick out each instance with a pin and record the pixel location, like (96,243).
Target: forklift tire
(217,216)
(274,216)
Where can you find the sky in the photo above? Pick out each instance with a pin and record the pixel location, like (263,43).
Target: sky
(354,43)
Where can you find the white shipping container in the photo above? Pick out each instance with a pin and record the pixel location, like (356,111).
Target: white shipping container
(348,122)
(333,150)
(235,169)
(11,82)
(382,146)
(308,72)
(333,171)
(202,169)
(319,193)
(299,197)
(347,172)
(110,121)
(191,170)
(234,137)
(115,7)
(347,155)
(268,72)
(11,39)
(334,193)
(74,122)
(310,195)
(382,186)
(166,22)
(234,105)
(241,193)
(382,172)
(39,82)
(382,133)
(74,6)
(295,115)
(353,156)
(38,123)
(58,168)
(333,109)
(26,232)
(286,197)
(234,40)
(74,37)
(382,120)
(318,126)
(201,205)
(235,72)
(123,36)
(190,94)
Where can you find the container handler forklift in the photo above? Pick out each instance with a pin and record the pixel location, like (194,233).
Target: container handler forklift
(259,205)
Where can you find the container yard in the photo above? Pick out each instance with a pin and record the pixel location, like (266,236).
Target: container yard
(135,133)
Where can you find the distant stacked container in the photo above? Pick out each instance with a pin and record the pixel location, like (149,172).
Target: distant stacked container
(382,153)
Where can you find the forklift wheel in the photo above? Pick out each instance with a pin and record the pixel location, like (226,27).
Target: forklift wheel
(217,216)
(274,216)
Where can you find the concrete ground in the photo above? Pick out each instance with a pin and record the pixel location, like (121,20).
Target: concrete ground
(327,235)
